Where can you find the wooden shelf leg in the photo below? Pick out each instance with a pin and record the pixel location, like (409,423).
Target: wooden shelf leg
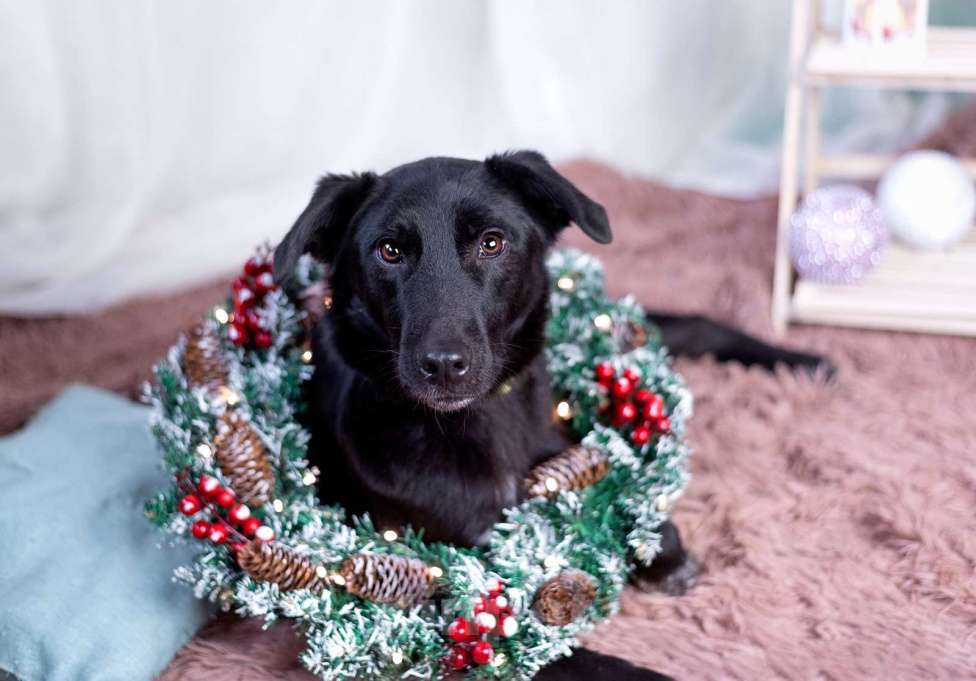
(782,273)
(811,143)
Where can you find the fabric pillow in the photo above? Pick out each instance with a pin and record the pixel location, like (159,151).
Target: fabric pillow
(85,591)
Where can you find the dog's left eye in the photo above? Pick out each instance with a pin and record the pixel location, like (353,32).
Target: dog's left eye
(492,244)
(390,252)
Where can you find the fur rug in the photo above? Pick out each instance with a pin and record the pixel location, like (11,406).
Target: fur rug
(834,520)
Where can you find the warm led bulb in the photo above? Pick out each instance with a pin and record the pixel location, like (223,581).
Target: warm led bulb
(603,322)
(564,411)
(565,283)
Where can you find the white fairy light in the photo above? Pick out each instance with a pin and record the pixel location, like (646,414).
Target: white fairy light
(564,410)
(228,396)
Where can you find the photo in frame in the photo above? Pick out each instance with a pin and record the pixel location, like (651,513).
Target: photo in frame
(887,25)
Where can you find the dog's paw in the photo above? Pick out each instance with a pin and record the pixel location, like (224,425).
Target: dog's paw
(587,665)
(675,582)
(680,580)
(815,365)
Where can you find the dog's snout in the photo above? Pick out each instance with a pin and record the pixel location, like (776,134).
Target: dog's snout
(444,367)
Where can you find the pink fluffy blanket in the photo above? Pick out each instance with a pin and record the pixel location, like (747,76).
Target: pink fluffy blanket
(835,521)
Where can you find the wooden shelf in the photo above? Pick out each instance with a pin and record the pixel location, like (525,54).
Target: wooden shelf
(910,290)
(947,64)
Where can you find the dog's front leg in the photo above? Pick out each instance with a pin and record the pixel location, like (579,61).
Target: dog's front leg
(673,571)
(587,665)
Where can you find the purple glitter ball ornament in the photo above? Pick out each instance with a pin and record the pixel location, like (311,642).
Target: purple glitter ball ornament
(838,235)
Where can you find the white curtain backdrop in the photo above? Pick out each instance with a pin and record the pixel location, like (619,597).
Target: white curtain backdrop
(148,145)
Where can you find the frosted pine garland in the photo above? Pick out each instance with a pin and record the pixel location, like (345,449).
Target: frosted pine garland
(602,529)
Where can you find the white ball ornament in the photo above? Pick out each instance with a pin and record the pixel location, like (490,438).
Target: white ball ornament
(928,199)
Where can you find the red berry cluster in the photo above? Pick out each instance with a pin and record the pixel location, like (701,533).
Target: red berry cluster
(492,614)
(224,514)
(248,292)
(632,406)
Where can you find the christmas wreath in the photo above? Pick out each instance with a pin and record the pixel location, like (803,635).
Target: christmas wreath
(225,410)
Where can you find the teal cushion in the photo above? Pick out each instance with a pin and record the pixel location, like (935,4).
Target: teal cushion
(85,591)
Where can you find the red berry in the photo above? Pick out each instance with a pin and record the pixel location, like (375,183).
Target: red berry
(252,320)
(235,546)
(190,504)
(623,413)
(481,606)
(262,339)
(632,375)
(495,586)
(482,652)
(460,630)
(200,528)
(237,333)
(208,486)
(225,498)
(250,526)
(663,424)
(604,373)
(622,387)
(458,658)
(497,603)
(219,533)
(243,298)
(642,396)
(653,408)
(263,282)
(485,622)
(239,513)
(507,626)
(252,267)
(641,436)
(238,284)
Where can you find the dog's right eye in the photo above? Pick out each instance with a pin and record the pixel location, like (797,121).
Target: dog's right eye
(389,252)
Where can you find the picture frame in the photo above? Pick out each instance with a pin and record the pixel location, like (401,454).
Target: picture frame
(888,26)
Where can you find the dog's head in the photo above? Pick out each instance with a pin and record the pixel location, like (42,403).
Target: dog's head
(438,268)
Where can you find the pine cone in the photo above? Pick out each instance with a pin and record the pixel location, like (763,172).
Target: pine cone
(578,467)
(632,335)
(563,598)
(279,565)
(384,578)
(202,361)
(243,459)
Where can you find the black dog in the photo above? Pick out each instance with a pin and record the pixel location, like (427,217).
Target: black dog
(440,297)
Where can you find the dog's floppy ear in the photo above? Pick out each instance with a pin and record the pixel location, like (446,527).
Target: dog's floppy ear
(318,230)
(549,195)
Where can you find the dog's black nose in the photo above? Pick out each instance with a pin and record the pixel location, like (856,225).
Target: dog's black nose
(444,367)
